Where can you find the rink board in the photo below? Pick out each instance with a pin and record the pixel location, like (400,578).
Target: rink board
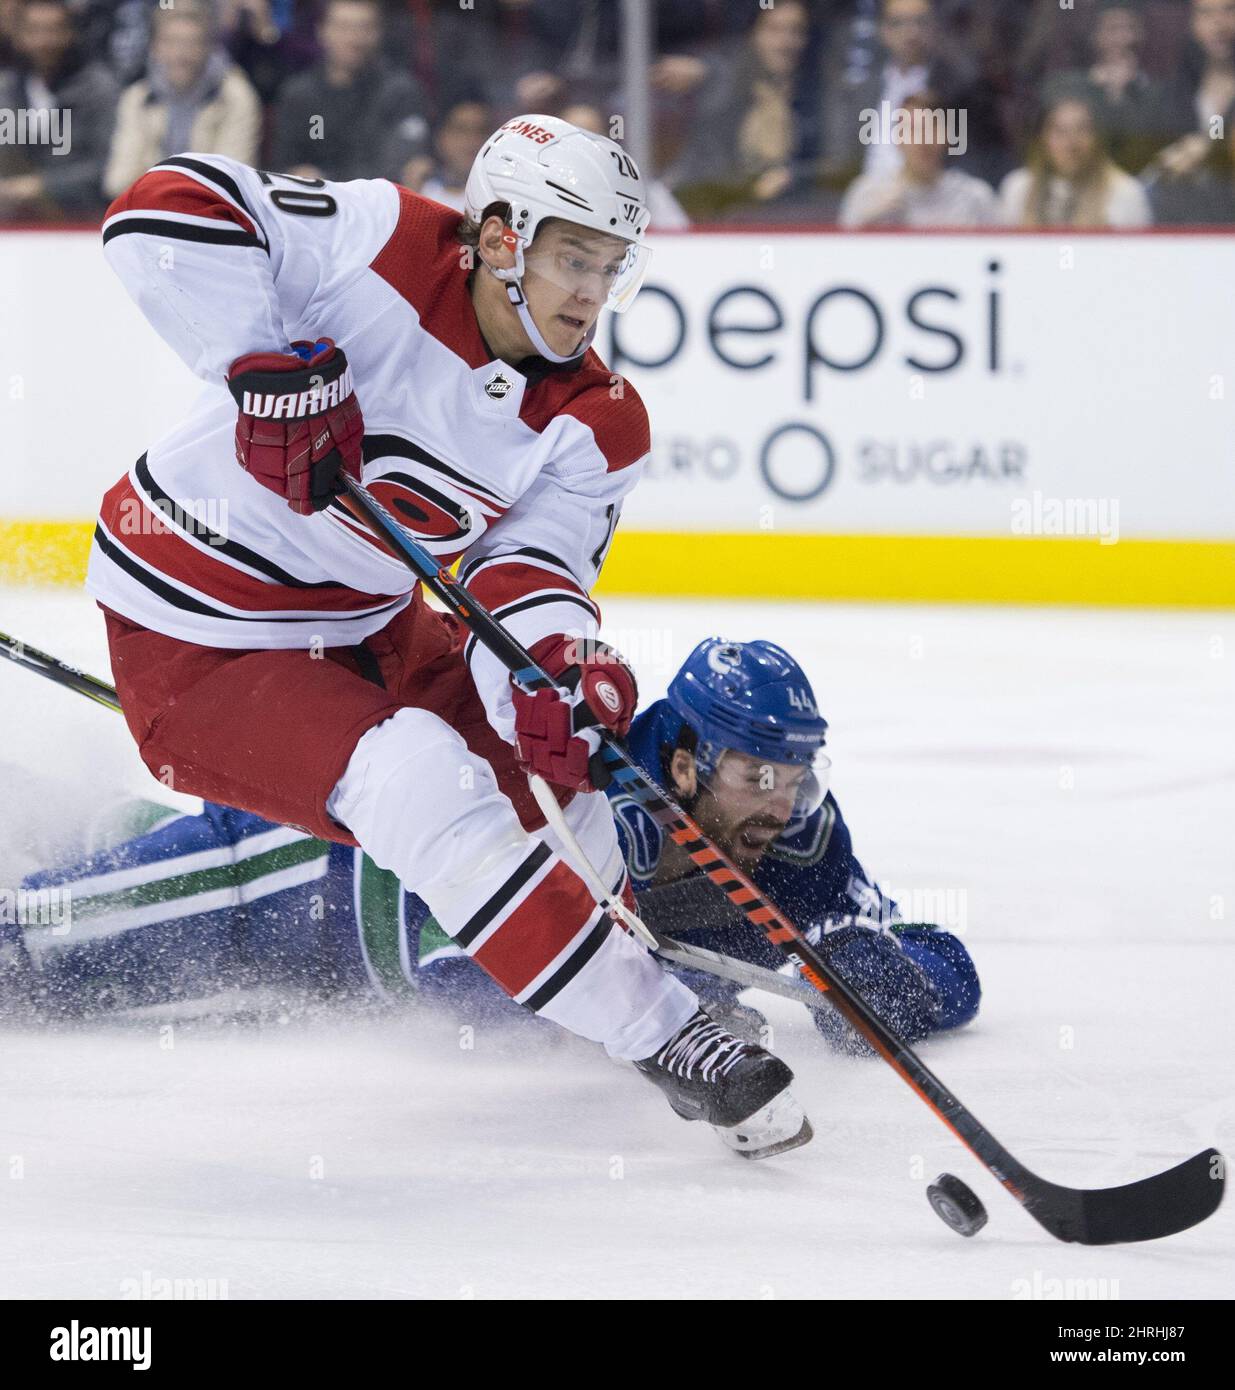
(972,569)
(986,417)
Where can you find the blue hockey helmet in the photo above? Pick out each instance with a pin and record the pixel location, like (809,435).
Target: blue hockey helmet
(754,698)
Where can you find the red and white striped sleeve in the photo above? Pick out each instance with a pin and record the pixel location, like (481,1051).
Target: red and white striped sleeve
(535,568)
(222,258)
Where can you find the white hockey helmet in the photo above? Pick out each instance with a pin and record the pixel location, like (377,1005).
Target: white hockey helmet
(542,167)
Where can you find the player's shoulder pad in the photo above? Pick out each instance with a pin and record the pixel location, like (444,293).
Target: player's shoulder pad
(422,251)
(606,402)
(427,224)
(344,221)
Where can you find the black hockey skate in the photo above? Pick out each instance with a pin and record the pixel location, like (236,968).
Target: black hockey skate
(737,1087)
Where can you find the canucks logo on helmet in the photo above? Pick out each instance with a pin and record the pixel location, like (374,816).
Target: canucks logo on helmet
(751,697)
(745,698)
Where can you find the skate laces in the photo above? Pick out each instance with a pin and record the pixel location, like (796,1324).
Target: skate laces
(704,1047)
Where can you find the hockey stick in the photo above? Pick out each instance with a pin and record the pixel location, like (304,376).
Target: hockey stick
(1158,1206)
(610,901)
(667,947)
(679,952)
(738,972)
(60,672)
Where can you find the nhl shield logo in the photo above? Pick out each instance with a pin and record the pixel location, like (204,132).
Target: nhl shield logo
(498,387)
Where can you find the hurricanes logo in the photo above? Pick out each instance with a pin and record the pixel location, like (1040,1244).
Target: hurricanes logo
(498,387)
(531,130)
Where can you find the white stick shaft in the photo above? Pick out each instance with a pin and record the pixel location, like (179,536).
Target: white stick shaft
(612,904)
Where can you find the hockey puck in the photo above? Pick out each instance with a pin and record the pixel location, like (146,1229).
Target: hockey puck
(956,1205)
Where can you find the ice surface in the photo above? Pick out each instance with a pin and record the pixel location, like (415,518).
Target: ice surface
(1059,784)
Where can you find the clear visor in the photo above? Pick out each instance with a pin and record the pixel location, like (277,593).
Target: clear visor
(594,267)
(780,792)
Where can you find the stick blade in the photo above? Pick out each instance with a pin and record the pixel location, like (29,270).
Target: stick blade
(1147,1210)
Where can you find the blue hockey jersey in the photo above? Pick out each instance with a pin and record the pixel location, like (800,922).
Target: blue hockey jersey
(813,875)
(186,906)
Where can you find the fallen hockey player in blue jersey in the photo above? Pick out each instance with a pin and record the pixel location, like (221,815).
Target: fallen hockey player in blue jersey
(168,907)
(739,741)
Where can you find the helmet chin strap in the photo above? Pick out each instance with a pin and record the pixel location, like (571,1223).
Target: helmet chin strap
(514,292)
(512,278)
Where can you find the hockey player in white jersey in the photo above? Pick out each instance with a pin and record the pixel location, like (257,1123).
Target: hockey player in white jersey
(272,655)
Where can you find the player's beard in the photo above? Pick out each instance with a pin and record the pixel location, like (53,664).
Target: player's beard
(749,851)
(702,806)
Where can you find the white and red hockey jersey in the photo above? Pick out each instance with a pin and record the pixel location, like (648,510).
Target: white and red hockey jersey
(525,477)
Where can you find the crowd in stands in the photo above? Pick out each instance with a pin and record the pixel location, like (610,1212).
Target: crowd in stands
(870,113)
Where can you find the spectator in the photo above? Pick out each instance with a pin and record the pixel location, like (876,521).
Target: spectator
(1213,32)
(456,143)
(1051,42)
(57,173)
(1206,195)
(194,98)
(1070,179)
(1138,113)
(513,32)
(667,213)
(753,136)
(117,32)
(9,11)
(553,52)
(922,192)
(269,39)
(693,39)
(1208,87)
(910,44)
(350,115)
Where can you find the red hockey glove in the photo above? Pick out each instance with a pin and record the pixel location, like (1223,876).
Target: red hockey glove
(601,690)
(300,424)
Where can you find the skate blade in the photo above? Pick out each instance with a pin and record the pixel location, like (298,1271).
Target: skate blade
(780,1126)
